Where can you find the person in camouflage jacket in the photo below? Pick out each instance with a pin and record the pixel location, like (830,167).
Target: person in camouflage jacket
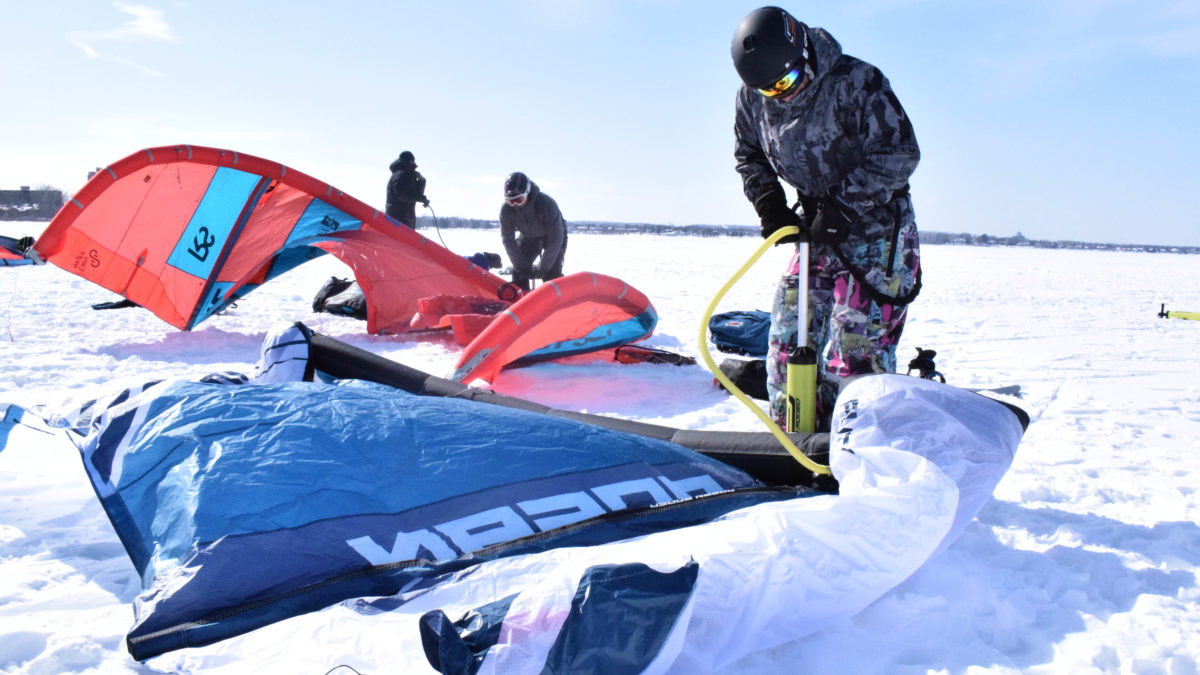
(830,126)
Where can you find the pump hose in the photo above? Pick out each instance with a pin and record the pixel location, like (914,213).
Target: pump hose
(795,452)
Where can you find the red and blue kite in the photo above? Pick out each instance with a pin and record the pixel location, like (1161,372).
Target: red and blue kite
(186,230)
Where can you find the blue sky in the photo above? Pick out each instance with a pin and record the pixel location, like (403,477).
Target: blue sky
(1069,119)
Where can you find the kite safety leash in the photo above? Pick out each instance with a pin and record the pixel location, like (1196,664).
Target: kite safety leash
(786,442)
(436,228)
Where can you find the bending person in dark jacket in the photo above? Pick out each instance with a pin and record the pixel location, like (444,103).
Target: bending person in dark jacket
(405,188)
(533,231)
(830,126)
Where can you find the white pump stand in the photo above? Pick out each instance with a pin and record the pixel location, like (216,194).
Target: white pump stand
(802,295)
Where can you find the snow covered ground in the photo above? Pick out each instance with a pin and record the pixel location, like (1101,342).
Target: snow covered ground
(1086,561)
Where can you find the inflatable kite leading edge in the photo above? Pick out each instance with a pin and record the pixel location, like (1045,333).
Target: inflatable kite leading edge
(576,314)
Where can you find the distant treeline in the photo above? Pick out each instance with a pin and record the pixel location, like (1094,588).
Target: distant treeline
(967,239)
(927,237)
(604,228)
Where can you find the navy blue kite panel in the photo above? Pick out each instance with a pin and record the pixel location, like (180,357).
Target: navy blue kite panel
(243,504)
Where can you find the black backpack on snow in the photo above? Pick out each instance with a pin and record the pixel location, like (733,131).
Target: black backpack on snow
(749,375)
(342,297)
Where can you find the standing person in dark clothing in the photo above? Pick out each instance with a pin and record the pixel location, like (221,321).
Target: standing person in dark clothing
(533,231)
(405,188)
(830,126)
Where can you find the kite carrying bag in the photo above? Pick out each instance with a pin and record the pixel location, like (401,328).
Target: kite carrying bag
(741,332)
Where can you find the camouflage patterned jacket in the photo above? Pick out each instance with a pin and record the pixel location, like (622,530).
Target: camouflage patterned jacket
(846,137)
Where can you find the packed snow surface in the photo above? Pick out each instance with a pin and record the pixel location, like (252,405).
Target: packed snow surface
(1085,561)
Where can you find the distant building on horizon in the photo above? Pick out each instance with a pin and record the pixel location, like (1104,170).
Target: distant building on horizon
(29,204)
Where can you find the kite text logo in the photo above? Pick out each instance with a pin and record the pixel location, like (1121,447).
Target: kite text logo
(448,540)
(202,243)
(86,259)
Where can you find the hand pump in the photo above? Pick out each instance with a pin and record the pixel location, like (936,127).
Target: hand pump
(801,360)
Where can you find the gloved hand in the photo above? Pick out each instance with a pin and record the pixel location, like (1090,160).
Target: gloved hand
(523,278)
(809,208)
(830,226)
(24,243)
(774,214)
(425,201)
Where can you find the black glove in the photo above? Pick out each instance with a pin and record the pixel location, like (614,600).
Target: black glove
(523,278)
(425,202)
(809,207)
(774,214)
(24,244)
(830,226)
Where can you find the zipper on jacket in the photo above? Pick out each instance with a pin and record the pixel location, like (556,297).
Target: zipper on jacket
(891,265)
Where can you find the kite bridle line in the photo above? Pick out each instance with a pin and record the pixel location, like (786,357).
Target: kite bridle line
(8,312)
(786,442)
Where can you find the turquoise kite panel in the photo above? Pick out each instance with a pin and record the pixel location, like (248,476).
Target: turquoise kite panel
(321,219)
(214,219)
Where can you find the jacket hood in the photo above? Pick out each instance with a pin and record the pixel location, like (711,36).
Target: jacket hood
(398,164)
(828,50)
(534,191)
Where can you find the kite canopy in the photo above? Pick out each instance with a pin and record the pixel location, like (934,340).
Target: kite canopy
(576,314)
(186,230)
(285,497)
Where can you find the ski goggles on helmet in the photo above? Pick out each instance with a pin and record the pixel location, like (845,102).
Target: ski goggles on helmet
(784,85)
(519,198)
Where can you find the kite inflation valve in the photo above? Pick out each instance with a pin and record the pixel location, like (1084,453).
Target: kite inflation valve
(801,389)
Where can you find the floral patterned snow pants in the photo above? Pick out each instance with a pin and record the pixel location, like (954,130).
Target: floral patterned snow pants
(850,333)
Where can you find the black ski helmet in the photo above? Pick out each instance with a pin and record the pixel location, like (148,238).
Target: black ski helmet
(766,45)
(406,159)
(517,185)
